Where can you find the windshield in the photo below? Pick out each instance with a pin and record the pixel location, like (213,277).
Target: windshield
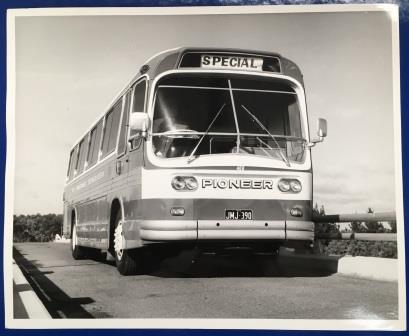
(203,116)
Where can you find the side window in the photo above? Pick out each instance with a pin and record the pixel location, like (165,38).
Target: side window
(107,130)
(81,157)
(124,125)
(111,129)
(138,102)
(73,164)
(113,136)
(94,144)
(78,157)
(70,164)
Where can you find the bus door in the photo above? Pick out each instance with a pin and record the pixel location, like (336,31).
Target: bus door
(121,163)
(135,141)
(130,153)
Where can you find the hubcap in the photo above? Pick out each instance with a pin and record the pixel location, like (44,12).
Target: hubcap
(119,241)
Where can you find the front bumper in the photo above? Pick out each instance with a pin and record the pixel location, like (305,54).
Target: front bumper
(138,233)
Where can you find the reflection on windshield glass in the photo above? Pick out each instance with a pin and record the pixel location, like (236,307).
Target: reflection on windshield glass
(199,118)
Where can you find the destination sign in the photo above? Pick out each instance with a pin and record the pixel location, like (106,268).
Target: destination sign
(231,62)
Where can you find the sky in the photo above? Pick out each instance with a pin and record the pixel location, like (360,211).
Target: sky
(68,70)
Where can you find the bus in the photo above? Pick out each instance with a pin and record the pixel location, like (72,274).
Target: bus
(204,147)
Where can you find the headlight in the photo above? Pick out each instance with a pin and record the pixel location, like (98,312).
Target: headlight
(290,185)
(178,183)
(284,185)
(295,186)
(191,183)
(184,183)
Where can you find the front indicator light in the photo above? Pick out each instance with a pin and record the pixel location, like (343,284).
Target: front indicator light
(296,212)
(177,211)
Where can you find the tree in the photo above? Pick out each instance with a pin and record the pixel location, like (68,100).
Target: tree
(36,228)
(324,229)
(392,224)
(374,226)
(368,226)
(357,227)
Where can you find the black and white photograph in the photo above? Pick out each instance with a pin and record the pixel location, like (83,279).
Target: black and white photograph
(212,167)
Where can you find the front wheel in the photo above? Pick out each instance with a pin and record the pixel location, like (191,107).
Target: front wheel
(128,262)
(77,251)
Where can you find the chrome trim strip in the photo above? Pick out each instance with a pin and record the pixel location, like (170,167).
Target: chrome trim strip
(250,225)
(169,225)
(241,234)
(168,235)
(220,88)
(300,226)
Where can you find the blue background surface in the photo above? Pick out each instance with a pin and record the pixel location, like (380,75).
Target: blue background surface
(6,4)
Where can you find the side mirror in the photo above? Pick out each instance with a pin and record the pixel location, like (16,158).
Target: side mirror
(138,124)
(321,132)
(322,128)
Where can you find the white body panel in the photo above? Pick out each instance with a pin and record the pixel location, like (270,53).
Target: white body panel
(157,184)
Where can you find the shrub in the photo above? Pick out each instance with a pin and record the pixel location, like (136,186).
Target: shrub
(382,249)
(36,228)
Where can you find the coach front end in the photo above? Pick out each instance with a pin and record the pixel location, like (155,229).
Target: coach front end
(227,155)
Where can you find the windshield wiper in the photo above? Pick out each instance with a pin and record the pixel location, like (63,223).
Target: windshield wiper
(283,157)
(277,136)
(180,133)
(190,158)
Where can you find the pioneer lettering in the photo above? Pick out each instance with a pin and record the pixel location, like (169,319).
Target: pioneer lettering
(237,184)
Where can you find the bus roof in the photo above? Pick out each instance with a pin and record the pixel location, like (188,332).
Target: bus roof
(172,59)
(190,58)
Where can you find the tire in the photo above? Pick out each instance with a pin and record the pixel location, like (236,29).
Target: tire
(128,262)
(78,252)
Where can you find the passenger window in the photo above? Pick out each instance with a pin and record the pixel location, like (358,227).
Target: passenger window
(111,129)
(124,126)
(70,164)
(81,156)
(139,97)
(138,103)
(107,130)
(73,162)
(94,144)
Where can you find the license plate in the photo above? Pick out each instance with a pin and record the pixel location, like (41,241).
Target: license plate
(239,214)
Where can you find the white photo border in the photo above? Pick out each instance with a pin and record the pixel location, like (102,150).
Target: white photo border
(255,324)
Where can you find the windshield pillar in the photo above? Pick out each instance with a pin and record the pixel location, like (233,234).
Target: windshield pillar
(235,118)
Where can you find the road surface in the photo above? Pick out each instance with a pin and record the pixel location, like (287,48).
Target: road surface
(213,287)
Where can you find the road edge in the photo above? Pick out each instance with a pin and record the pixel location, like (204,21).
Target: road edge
(372,268)
(34,308)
